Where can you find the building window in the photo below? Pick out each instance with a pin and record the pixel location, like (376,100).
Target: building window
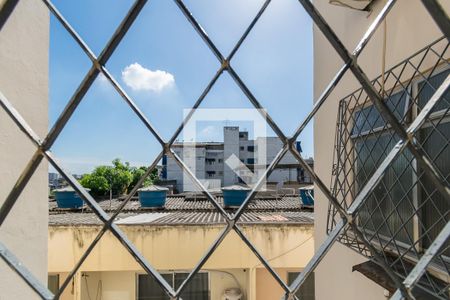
(372,142)
(307,290)
(301,175)
(434,138)
(241,148)
(404,190)
(53,283)
(251,161)
(197,289)
(251,148)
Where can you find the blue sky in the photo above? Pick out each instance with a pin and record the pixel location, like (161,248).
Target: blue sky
(164,66)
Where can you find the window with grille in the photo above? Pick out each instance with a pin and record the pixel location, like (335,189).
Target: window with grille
(404,212)
(434,137)
(307,291)
(372,141)
(53,283)
(400,189)
(197,289)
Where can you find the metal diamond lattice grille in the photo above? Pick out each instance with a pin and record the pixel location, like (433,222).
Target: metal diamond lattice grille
(352,223)
(404,213)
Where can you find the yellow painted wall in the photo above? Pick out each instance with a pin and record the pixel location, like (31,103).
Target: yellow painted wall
(121,285)
(110,285)
(179,248)
(409,28)
(69,292)
(266,286)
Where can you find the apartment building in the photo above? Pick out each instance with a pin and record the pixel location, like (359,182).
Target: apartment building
(209,162)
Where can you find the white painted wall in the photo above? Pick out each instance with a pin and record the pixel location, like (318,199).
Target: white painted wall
(24,42)
(409,28)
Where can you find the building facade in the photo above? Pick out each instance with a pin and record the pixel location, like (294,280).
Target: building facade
(237,160)
(396,211)
(174,240)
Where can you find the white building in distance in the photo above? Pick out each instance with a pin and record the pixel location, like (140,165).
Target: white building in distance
(235,160)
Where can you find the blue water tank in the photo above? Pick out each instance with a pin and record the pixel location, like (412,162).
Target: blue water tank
(153,196)
(67,198)
(306,194)
(234,195)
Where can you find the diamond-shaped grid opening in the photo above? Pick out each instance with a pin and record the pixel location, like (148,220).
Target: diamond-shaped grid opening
(166,71)
(293,244)
(95,28)
(225,114)
(91,139)
(225,21)
(282,76)
(68,66)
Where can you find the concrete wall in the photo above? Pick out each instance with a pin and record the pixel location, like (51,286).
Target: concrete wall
(409,28)
(179,248)
(24,46)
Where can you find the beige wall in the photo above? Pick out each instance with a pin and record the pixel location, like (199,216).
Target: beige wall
(266,286)
(180,248)
(409,28)
(121,285)
(24,42)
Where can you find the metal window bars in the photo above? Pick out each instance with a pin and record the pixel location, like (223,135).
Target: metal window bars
(404,213)
(347,215)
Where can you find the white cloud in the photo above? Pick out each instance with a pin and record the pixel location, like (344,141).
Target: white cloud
(207,131)
(139,78)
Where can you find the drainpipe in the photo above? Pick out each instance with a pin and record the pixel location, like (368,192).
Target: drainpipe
(251,295)
(77,286)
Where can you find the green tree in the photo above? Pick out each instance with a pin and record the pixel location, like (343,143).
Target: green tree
(98,184)
(137,173)
(116,178)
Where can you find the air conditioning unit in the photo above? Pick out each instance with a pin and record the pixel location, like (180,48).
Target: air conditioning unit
(232,294)
(355,4)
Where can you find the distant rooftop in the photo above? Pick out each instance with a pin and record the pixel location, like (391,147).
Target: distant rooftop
(180,210)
